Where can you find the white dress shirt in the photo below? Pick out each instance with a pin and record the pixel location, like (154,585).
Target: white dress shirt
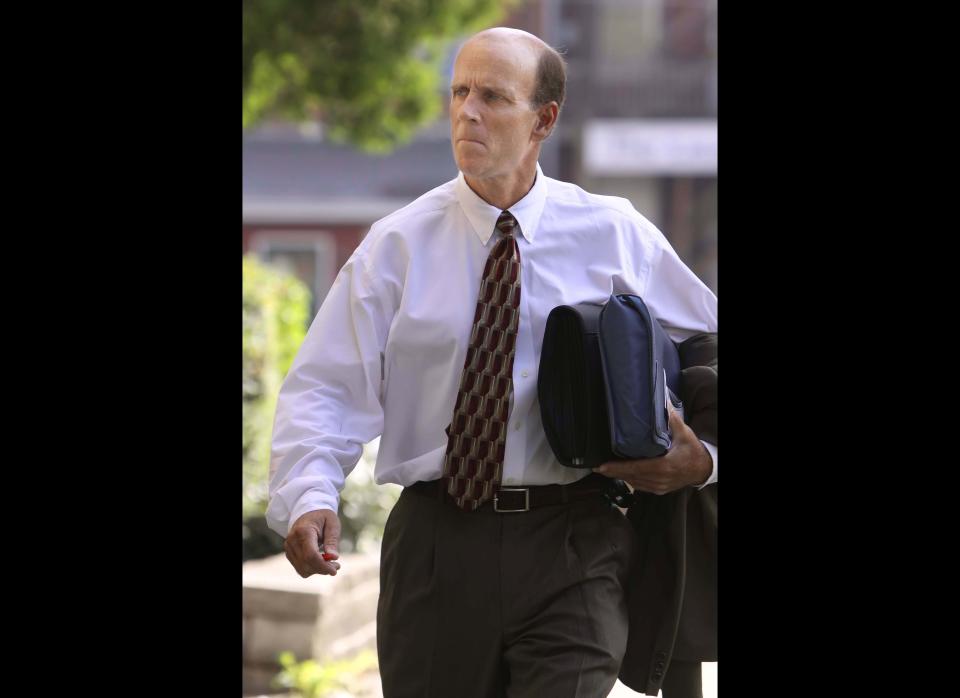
(385,353)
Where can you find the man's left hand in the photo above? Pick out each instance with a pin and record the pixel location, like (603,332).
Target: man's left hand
(686,463)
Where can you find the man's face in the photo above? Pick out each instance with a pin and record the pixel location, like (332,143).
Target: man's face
(491,118)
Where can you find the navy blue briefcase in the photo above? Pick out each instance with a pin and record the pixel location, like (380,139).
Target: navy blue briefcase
(606,374)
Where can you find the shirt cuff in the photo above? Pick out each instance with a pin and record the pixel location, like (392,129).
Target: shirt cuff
(281,519)
(310,503)
(712,450)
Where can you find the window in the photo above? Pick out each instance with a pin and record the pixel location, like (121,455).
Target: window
(308,254)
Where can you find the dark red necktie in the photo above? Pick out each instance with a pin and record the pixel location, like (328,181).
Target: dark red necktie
(473,463)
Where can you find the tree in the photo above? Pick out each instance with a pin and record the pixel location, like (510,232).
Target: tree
(369,69)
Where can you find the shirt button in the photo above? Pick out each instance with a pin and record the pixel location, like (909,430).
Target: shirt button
(517,426)
(524,374)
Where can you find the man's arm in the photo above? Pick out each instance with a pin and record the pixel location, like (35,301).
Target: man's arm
(329,405)
(715,472)
(687,309)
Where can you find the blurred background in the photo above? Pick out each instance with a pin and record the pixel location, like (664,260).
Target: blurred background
(344,121)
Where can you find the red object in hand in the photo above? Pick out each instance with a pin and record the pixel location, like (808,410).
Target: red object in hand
(328,556)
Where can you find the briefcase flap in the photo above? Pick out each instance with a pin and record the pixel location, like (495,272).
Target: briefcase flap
(640,366)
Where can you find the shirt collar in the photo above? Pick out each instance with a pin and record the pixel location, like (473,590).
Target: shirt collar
(483,216)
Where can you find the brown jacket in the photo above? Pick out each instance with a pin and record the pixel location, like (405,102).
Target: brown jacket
(672,591)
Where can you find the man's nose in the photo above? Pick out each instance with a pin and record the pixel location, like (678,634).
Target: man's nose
(468,110)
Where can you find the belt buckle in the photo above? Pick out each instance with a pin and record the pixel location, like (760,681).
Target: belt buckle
(526,503)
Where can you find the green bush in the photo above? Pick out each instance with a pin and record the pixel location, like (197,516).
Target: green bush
(365,505)
(309,679)
(276,308)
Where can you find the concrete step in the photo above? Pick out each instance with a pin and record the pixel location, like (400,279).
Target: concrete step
(321,617)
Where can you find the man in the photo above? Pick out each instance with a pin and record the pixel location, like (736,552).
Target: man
(502,571)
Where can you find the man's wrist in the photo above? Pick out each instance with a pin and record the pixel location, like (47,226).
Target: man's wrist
(704,465)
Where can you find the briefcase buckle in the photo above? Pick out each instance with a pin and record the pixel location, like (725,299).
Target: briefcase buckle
(526,499)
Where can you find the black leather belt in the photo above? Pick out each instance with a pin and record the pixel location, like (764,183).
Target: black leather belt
(523,498)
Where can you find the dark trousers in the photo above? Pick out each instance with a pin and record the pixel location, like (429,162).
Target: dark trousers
(502,605)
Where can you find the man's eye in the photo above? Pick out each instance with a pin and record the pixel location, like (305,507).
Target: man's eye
(492,97)
(459,91)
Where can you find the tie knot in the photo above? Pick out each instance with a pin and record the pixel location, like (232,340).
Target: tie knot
(506,223)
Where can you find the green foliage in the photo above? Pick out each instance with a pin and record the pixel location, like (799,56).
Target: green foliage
(365,505)
(275,314)
(369,69)
(312,680)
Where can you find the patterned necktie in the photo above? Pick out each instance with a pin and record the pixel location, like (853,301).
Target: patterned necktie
(474,459)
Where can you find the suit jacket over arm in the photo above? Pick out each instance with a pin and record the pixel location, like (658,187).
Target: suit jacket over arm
(672,594)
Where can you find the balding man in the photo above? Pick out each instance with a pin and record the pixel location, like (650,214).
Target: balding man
(502,571)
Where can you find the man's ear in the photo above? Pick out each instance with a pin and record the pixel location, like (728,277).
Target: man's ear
(546,120)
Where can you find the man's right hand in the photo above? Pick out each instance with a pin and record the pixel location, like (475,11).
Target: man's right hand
(314,533)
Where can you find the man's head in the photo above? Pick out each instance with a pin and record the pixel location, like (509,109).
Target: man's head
(507,90)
